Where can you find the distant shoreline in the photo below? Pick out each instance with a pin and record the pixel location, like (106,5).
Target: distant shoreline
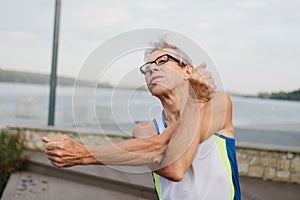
(10,76)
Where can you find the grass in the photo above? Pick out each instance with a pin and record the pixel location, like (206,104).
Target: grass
(11,157)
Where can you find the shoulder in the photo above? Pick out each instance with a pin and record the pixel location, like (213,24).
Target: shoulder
(221,102)
(221,96)
(144,129)
(224,104)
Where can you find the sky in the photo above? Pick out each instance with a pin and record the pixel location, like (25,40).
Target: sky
(254,44)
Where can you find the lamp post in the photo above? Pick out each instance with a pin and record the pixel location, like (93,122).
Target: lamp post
(53,76)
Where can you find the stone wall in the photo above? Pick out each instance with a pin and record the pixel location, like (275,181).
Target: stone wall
(276,163)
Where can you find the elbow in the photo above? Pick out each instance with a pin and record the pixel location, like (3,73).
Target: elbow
(177,177)
(173,174)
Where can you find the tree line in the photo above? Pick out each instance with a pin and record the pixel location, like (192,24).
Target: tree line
(36,78)
(294,95)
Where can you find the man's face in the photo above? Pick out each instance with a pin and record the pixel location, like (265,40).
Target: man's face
(165,77)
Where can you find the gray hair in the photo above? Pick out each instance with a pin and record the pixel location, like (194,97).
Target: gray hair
(163,44)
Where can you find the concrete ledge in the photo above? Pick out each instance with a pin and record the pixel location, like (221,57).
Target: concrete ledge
(109,132)
(267,147)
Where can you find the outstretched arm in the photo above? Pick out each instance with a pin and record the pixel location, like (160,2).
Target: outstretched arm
(62,151)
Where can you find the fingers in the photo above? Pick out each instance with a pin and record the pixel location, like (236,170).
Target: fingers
(207,75)
(197,75)
(202,75)
(45,139)
(210,81)
(213,87)
(60,150)
(201,66)
(199,71)
(55,138)
(51,145)
(57,164)
(53,159)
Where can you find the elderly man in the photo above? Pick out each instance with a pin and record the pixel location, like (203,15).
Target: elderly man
(190,146)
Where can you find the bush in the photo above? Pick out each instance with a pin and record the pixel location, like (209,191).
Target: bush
(11,158)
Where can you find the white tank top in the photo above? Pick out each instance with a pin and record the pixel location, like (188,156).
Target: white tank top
(213,174)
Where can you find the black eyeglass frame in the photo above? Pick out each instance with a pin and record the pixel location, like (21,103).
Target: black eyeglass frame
(147,64)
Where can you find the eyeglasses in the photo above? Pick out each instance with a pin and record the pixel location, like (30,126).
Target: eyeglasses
(160,61)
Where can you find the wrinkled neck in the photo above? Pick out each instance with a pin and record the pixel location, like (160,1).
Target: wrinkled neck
(174,101)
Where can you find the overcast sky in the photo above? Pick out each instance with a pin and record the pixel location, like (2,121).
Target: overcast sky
(254,43)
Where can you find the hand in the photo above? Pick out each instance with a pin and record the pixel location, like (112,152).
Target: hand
(205,76)
(62,151)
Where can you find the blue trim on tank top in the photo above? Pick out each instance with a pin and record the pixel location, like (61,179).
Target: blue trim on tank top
(156,125)
(163,118)
(224,137)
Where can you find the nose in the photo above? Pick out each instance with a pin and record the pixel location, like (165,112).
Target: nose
(153,67)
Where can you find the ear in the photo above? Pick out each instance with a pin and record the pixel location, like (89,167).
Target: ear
(188,71)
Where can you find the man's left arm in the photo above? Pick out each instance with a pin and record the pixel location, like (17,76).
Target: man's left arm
(183,145)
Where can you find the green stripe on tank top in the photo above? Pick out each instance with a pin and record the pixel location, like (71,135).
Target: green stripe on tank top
(221,144)
(157,186)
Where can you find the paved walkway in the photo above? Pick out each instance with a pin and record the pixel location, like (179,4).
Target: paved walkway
(264,190)
(44,182)
(32,186)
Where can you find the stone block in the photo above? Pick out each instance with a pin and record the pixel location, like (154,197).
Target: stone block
(240,161)
(268,162)
(256,171)
(265,154)
(243,161)
(270,174)
(283,176)
(242,155)
(283,165)
(290,156)
(295,178)
(243,168)
(283,155)
(274,155)
(13,132)
(29,145)
(27,134)
(295,166)
(255,160)
(36,138)
(39,147)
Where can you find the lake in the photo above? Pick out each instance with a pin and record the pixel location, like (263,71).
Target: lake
(27,104)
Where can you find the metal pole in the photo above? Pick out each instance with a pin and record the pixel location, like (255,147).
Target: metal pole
(51,113)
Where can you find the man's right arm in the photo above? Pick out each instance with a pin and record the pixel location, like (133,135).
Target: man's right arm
(62,151)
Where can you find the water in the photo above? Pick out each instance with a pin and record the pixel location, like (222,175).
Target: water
(27,104)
